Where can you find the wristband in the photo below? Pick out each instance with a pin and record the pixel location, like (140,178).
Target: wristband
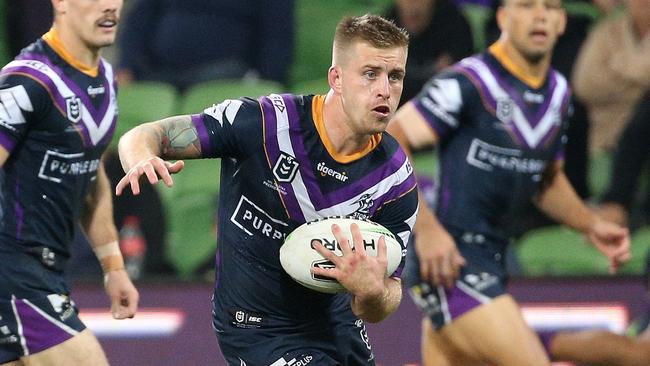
(109,256)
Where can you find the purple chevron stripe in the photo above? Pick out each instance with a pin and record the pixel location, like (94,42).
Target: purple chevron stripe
(479,83)
(47,82)
(517,98)
(306,168)
(390,167)
(272,152)
(82,94)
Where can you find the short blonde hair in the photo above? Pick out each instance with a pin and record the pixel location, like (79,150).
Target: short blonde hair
(375,30)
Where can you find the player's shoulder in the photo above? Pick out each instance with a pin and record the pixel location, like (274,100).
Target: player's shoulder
(392,152)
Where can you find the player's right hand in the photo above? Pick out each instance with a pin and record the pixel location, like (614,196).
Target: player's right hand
(154,168)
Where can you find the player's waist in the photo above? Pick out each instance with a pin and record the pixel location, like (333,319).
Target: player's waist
(50,257)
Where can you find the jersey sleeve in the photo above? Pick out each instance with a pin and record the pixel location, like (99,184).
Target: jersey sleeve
(398,216)
(441,101)
(23,101)
(229,129)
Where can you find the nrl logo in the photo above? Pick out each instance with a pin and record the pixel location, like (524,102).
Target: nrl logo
(73,109)
(504,109)
(285,168)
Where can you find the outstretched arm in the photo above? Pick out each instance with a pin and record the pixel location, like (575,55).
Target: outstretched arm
(97,222)
(560,201)
(143,151)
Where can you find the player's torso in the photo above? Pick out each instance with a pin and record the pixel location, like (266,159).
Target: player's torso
(494,163)
(293,179)
(55,161)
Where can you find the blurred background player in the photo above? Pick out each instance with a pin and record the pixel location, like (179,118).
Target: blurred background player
(270,150)
(174,41)
(57,115)
(499,119)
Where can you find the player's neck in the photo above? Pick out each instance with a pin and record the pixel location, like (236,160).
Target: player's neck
(533,74)
(73,50)
(344,144)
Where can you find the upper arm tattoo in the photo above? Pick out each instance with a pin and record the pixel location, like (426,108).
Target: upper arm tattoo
(180,138)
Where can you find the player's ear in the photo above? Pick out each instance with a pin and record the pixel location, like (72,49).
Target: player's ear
(334,78)
(501,17)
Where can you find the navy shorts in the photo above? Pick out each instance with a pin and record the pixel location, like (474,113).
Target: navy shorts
(254,339)
(482,279)
(35,311)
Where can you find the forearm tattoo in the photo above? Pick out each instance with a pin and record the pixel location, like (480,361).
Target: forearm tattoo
(180,138)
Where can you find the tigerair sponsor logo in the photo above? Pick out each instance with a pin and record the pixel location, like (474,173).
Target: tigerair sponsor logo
(326,171)
(488,157)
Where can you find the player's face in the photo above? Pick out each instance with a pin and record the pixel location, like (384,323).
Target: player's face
(93,21)
(371,86)
(532,26)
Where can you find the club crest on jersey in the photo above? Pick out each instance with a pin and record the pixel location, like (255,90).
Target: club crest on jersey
(73,109)
(504,109)
(285,168)
(365,202)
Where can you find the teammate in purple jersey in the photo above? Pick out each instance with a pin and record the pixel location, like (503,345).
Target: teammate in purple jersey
(290,159)
(498,118)
(57,115)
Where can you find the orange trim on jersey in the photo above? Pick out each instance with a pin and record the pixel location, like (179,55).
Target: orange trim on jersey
(53,40)
(317,114)
(498,51)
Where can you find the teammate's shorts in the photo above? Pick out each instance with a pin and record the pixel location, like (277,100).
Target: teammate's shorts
(482,279)
(260,342)
(35,312)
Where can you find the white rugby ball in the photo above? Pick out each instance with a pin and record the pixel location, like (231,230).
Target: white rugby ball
(297,255)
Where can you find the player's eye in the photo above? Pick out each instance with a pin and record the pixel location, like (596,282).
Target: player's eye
(396,76)
(370,74)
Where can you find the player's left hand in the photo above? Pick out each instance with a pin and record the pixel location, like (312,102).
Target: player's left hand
(612,240)
(360,273)
(124,297)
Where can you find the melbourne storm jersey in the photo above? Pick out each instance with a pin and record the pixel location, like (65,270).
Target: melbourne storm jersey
(278,171)
(497,136)
(55,121)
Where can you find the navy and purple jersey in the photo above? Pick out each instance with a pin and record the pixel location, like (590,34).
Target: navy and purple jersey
(497,136)
(55,121)
(278,171)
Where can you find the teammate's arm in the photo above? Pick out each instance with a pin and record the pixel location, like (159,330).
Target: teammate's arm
(143,151)
(560,201)
(439,258)
(97,222)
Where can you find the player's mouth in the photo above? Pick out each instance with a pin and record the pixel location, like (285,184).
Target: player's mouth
(382,111)
(107,23)
(539,35)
